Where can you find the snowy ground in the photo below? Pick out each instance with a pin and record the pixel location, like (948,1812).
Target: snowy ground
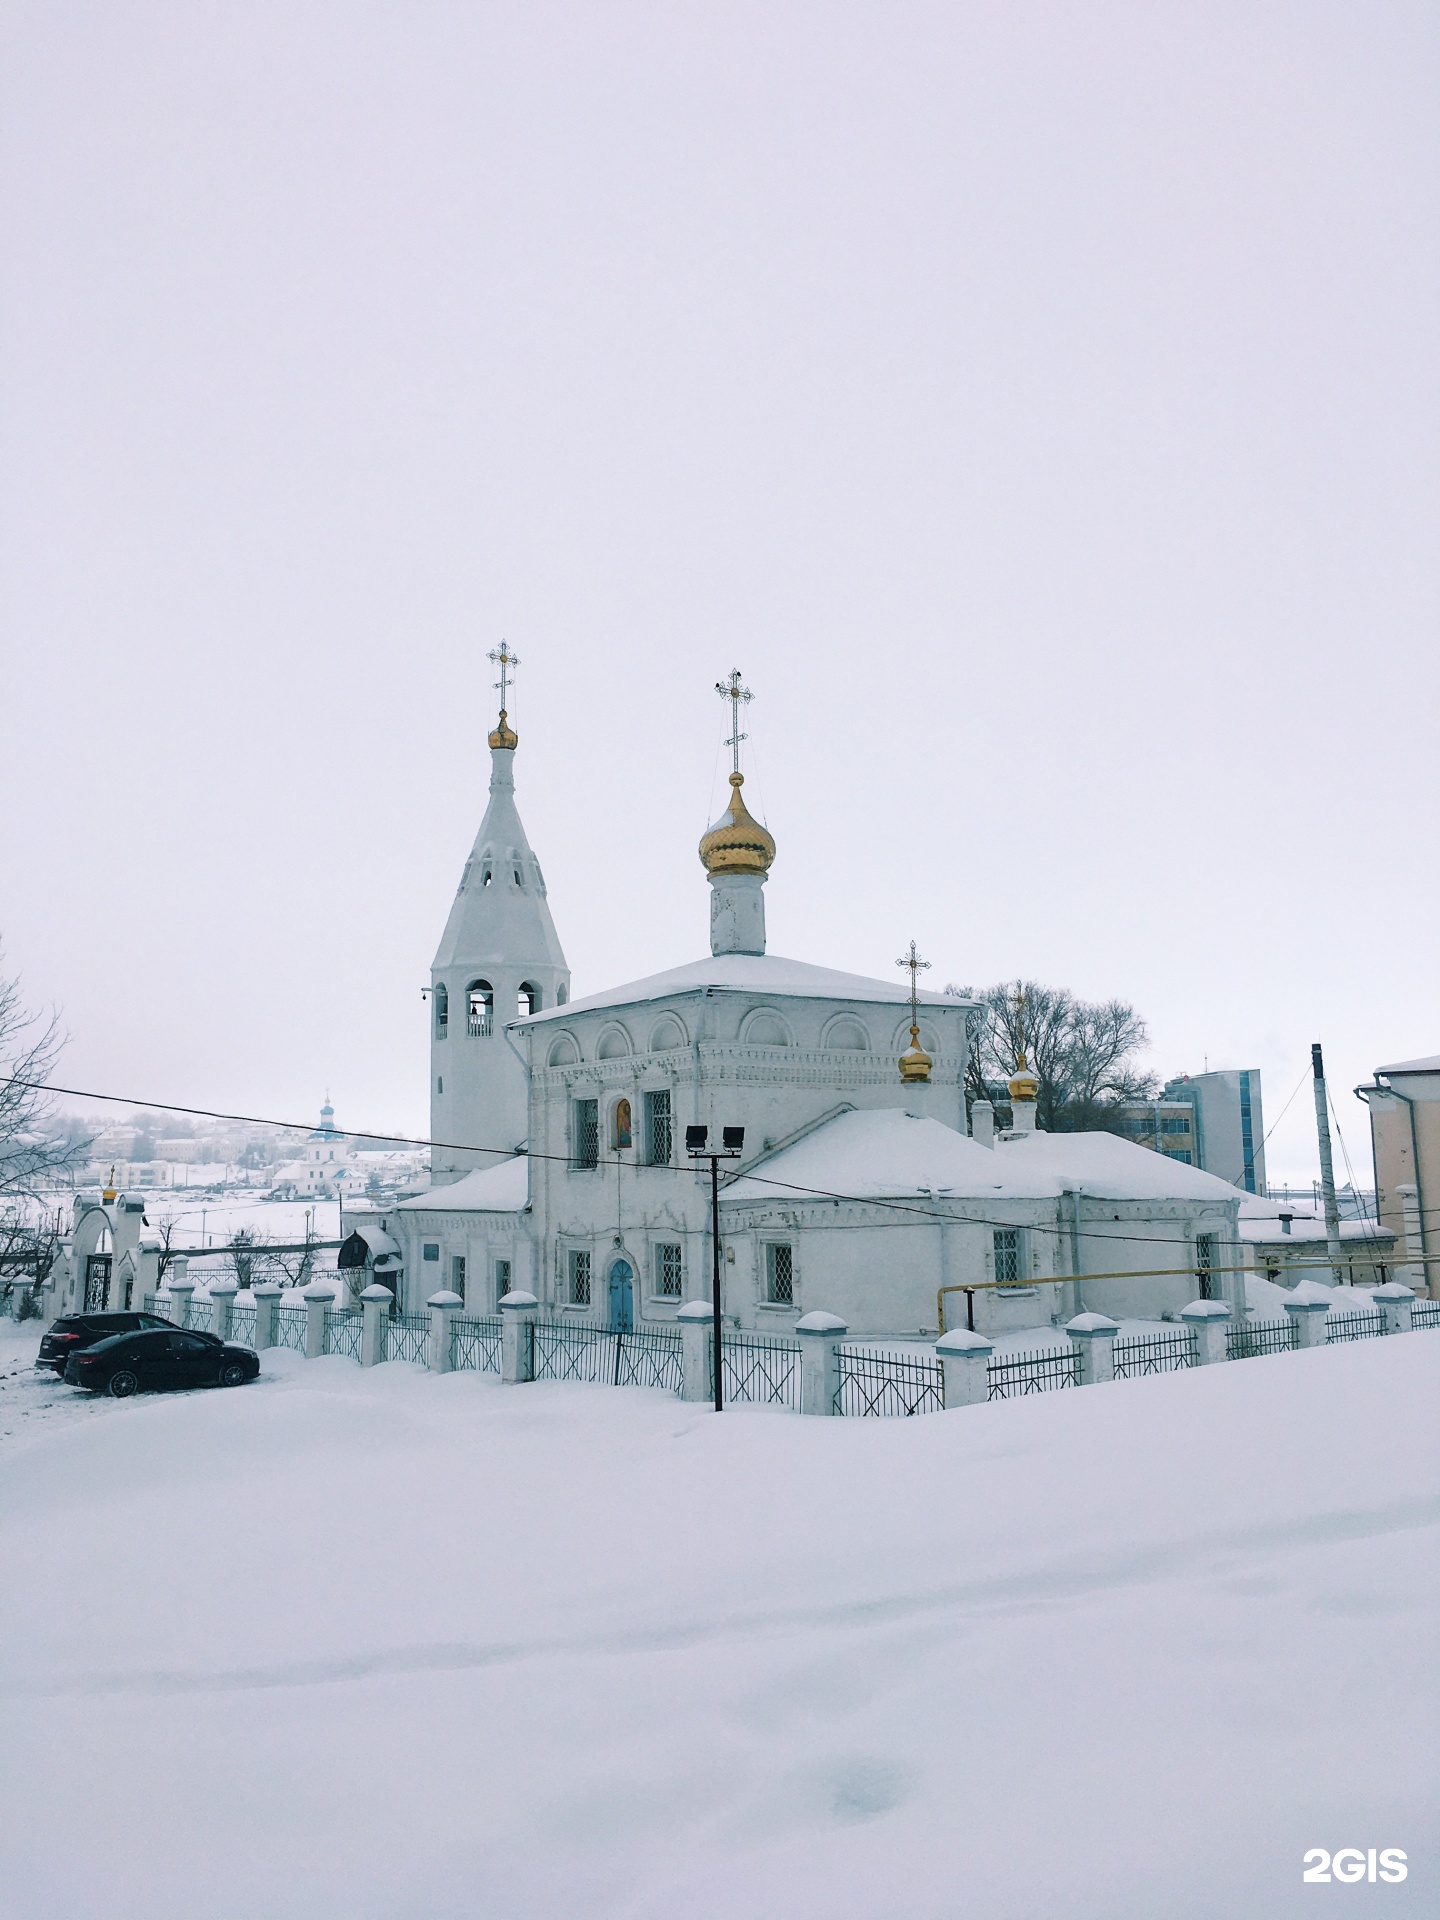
(382,1644)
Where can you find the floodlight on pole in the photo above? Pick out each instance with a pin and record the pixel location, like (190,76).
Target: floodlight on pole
(732,1145)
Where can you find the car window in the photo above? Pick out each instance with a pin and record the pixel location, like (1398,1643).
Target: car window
(187,1343)
(152,1320)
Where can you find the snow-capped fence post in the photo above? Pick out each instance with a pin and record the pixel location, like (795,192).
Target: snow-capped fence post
(694,1321)
(443,1308)
(222,1303)
(181,1287)
(1092,1338)
(964,1367)
(820,1337)
(1209,1321)
(1397,1304)
(318,1301)
(1307,1317)
(518,1312)
(267,1305)
(375,1305)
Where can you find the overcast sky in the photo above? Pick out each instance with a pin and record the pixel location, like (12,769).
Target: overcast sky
(1038,403)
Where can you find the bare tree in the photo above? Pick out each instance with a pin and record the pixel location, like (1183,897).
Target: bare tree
(1083,1053)
(34,1154)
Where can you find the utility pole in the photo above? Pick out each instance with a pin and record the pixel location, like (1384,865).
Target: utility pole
(1327,1167)
(732,1145)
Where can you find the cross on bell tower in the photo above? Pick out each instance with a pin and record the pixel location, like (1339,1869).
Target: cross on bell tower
(915,1063)
(504,734)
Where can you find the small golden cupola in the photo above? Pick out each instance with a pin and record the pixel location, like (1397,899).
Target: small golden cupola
(1023,1085)
(915,1062)
(736,852)
(737,843)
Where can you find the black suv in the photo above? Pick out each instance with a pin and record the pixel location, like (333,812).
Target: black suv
(76,1331)
(163,1356)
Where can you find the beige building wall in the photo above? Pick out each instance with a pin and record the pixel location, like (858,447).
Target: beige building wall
(1404,1103)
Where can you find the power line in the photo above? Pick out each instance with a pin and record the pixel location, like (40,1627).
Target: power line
(914,1210)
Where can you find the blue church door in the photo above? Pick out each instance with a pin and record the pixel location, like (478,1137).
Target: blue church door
(622,1297)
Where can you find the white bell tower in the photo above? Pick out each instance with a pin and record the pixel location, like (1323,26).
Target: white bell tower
(498,958)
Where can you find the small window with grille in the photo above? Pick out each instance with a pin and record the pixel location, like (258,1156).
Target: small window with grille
(579,1276)
(1007,1257)
(502,1280)
(1205,1263)
(779,1273)
(587,1133)
(457,1274)
(668,1270)
(659,1128)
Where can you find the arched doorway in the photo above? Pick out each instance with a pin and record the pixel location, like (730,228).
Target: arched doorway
(622,1296)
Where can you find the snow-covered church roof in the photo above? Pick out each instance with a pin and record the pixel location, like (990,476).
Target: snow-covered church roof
(501,1189)
(764,973)
(889,1154)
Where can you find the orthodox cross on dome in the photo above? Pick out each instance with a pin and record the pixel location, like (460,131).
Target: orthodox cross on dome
(505,660)
(1019,1003)
(916,967)
(914,1065)
(730,689)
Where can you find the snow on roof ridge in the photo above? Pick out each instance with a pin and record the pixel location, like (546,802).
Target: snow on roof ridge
(769,973)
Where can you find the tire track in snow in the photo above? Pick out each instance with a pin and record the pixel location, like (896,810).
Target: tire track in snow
(1040,1588)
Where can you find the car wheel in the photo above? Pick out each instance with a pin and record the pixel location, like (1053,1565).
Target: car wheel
(123,1384)
(232,1374)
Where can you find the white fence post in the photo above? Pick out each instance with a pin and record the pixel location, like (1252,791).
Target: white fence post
(1397,1303)
(1210,1322)
(694,1321)
(1307,1317)
(222,1304)
(820,1337)
(517,1337)
(181,1287)
(964,1367)
(317,1300)
(267,1301)
(1093,1341)
(443,1308)
(375,1305)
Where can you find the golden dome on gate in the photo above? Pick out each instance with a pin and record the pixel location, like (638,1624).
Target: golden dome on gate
(504,735)
(737,843)
(915,1063)
(1022,1083)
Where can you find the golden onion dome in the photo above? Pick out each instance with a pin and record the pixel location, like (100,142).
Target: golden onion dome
(504,735)
(737,843)
(915,1063)
(1023,1084)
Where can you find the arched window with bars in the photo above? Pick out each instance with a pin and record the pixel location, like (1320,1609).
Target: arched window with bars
(442,1011)
(479,1009)
(528,999)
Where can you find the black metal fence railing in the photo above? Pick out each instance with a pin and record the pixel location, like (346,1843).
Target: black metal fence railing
(242,1326)
(888,1384)
(475,1344)
(607,1357)
(1426,1313)
(342,1333)
(1154,1353)
(648,1358)
(1038,1372)
(290,1327)
(407,1337)
(1354,1326)
(763,1372)
(1257,1337)
(572,1350)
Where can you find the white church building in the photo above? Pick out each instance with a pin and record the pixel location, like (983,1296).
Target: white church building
(861,1188)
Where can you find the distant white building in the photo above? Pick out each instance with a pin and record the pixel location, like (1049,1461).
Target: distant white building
(1214,1120)
(323,1171)
(860,1189)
